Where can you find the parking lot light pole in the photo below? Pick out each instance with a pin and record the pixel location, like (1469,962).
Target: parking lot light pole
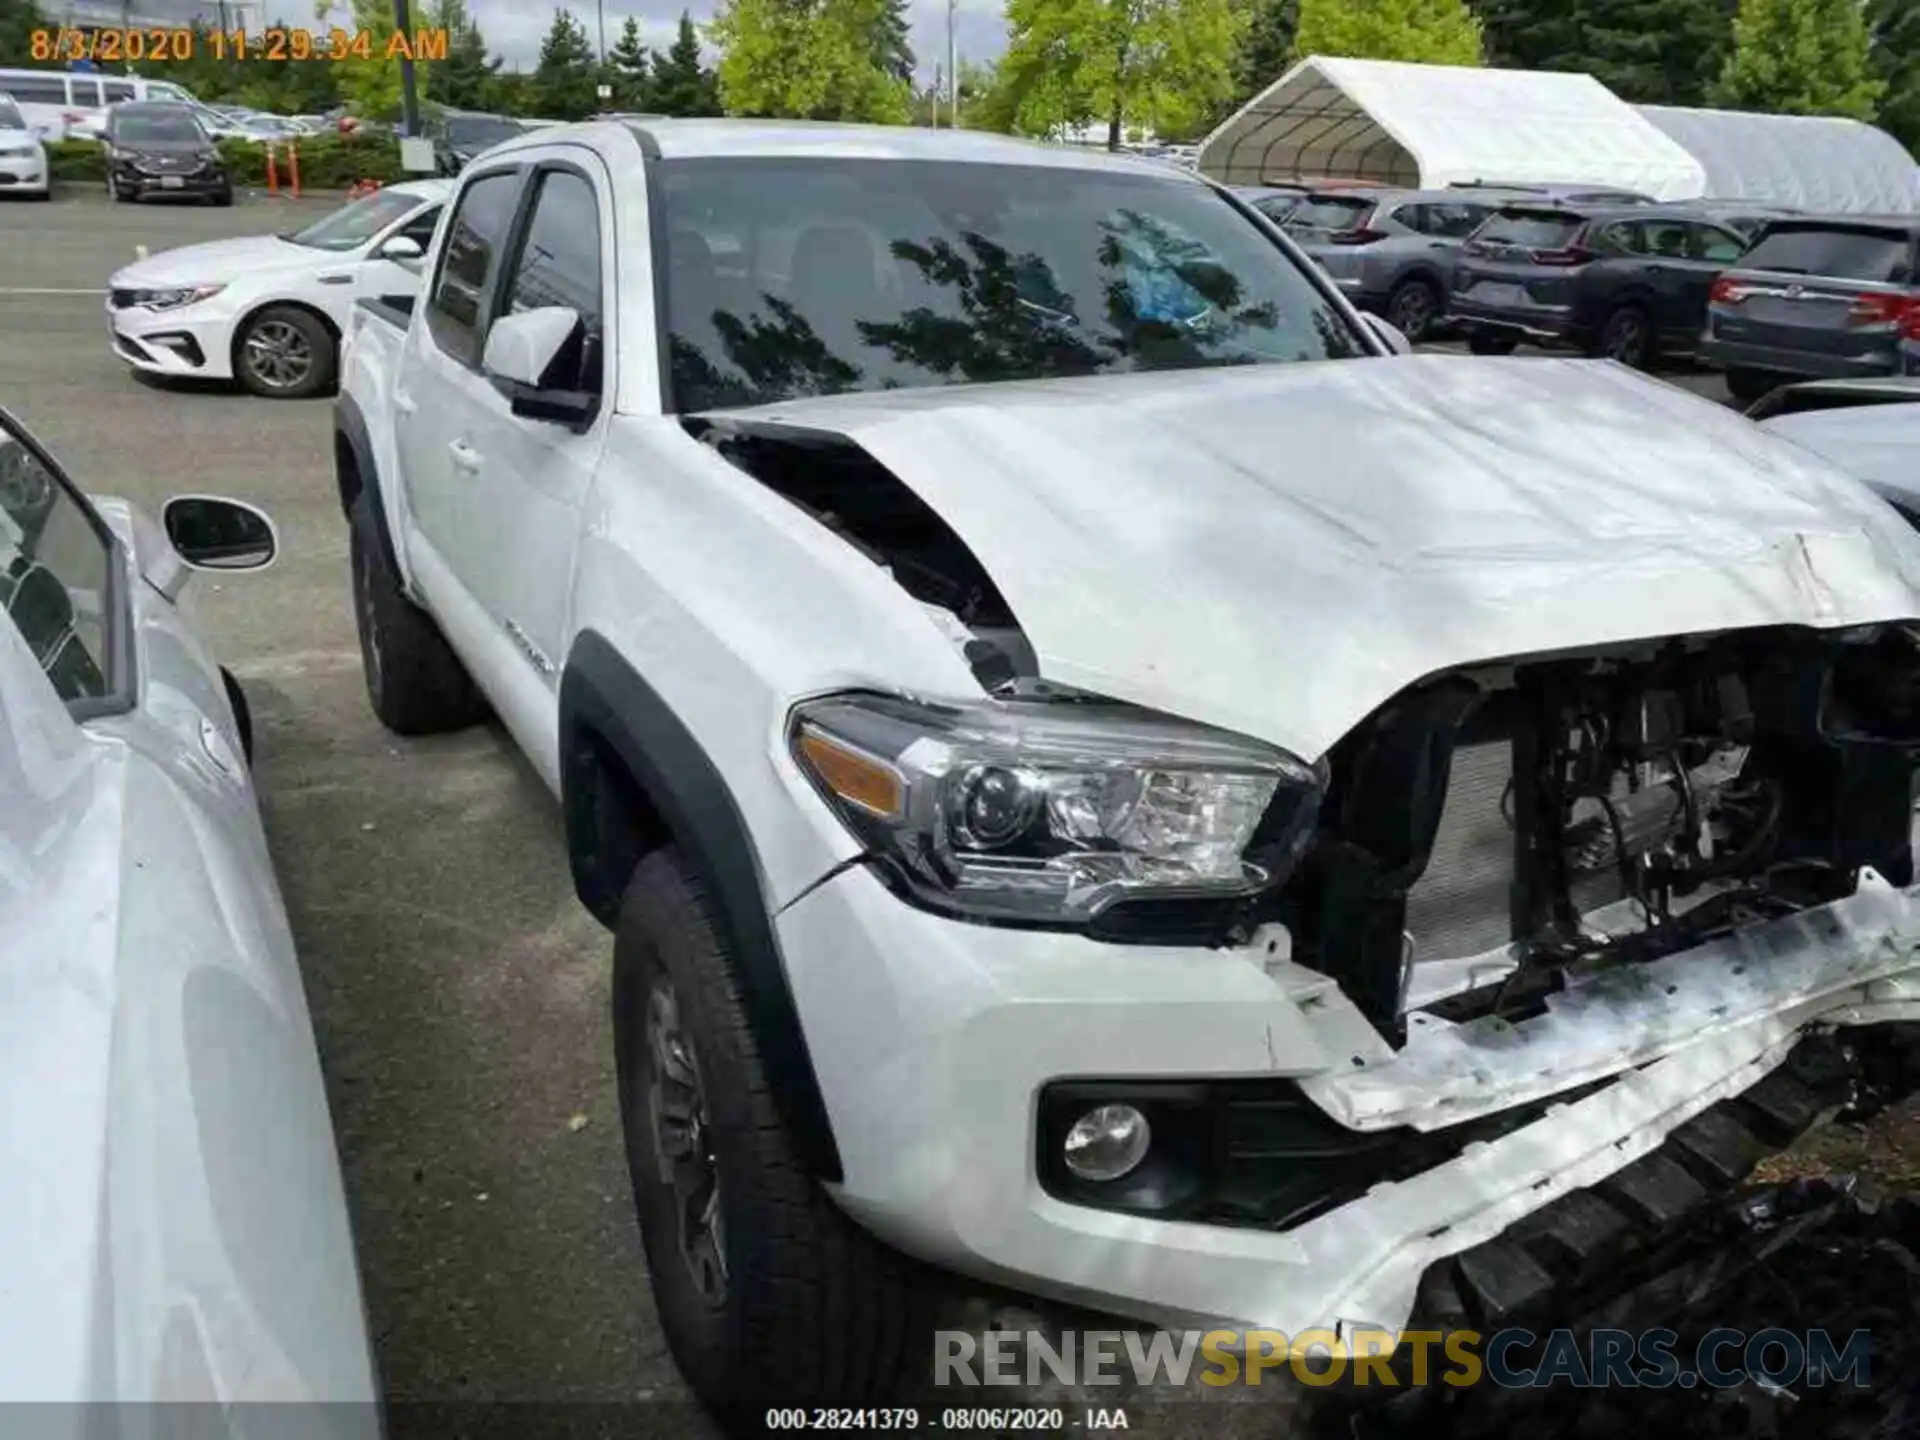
(409,96)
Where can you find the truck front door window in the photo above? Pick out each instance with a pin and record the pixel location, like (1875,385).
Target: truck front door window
(474,243)
(559,264)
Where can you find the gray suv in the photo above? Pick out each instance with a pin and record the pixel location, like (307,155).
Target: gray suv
(1391,251)
(1818,298)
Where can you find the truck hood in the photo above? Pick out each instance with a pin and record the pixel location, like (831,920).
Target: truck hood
(220,262)
(1280,549)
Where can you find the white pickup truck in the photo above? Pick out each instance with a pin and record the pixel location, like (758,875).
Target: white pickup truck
(1104,777)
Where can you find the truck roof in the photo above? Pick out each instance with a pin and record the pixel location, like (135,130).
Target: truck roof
(687,139)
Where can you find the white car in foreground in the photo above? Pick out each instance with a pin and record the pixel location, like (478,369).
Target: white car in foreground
(172,1221)
(269,310)
(23,156)
(1104,776)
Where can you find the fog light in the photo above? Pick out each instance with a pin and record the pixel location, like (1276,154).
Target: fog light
(1106,1143)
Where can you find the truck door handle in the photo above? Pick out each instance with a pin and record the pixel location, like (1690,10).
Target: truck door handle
(465,457)
(335,277)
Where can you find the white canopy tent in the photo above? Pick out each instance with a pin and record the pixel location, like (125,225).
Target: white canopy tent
(1429,126)
(1821,163)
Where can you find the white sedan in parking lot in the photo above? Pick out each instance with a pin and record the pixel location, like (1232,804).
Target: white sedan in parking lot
(269,310)
(23,158)
(172,1222)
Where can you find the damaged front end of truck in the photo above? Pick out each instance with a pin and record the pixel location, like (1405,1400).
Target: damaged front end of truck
(1611,711)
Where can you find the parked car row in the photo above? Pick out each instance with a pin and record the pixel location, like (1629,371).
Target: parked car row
(1769,295)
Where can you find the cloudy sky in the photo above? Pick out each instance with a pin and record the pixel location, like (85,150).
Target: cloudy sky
(514,27)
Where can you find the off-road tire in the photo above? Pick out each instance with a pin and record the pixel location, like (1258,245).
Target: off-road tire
(1483,342)
(814,1310)
(222,198)
(415,683)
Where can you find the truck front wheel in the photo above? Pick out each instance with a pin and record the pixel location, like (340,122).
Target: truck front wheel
(415,682)
(769,1295)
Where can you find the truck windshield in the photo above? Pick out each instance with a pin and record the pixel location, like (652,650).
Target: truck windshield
(789,277)
(481,132)
(354,225)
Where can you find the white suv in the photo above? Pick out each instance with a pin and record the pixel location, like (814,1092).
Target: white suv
(1102,777)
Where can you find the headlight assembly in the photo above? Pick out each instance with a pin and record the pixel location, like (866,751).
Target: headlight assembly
(175,298)
(1050,812)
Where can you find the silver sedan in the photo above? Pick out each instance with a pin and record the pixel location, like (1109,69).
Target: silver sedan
(172,1223)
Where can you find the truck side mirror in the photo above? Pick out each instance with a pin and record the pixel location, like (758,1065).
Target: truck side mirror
(519,357)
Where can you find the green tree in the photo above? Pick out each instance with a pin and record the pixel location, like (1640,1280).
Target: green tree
(1164,63)
(1896,61)
(812,59)
(893,41)
(461,79)
(1434,32)
(509,92)
(682,85)
(629,65)
(563,83)
(1800,57)
(1649,52)
(371,86)
(1266,44)
(18,20)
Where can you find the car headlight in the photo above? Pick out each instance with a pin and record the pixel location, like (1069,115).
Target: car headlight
(175,298)
(1050,812)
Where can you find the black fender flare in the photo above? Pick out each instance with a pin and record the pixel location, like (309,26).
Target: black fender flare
(350,428)
(602,696)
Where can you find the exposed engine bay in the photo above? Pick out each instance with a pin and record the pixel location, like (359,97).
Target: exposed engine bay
(1530,821)
(1606,809)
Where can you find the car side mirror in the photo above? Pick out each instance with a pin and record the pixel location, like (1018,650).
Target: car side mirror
(401,247)
(211,533)
(1388,334)
(519,357)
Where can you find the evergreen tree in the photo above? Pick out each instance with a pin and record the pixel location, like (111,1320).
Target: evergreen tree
(1800,57)
(629,63)
(681,84)
(18,20)
(1896,61)
(1436,32)
(563,83)
(1650,52)
(1266,45)
(461,79)
(893,42)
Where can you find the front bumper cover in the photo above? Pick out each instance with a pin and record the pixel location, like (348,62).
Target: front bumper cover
(932,1083)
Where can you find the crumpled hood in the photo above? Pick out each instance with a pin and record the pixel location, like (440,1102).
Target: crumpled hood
(217,262)
(1280,549)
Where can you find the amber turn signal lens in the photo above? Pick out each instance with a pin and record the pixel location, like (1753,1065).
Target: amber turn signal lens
(853,775)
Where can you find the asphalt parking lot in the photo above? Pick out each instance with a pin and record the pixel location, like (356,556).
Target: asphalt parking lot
(458,989)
